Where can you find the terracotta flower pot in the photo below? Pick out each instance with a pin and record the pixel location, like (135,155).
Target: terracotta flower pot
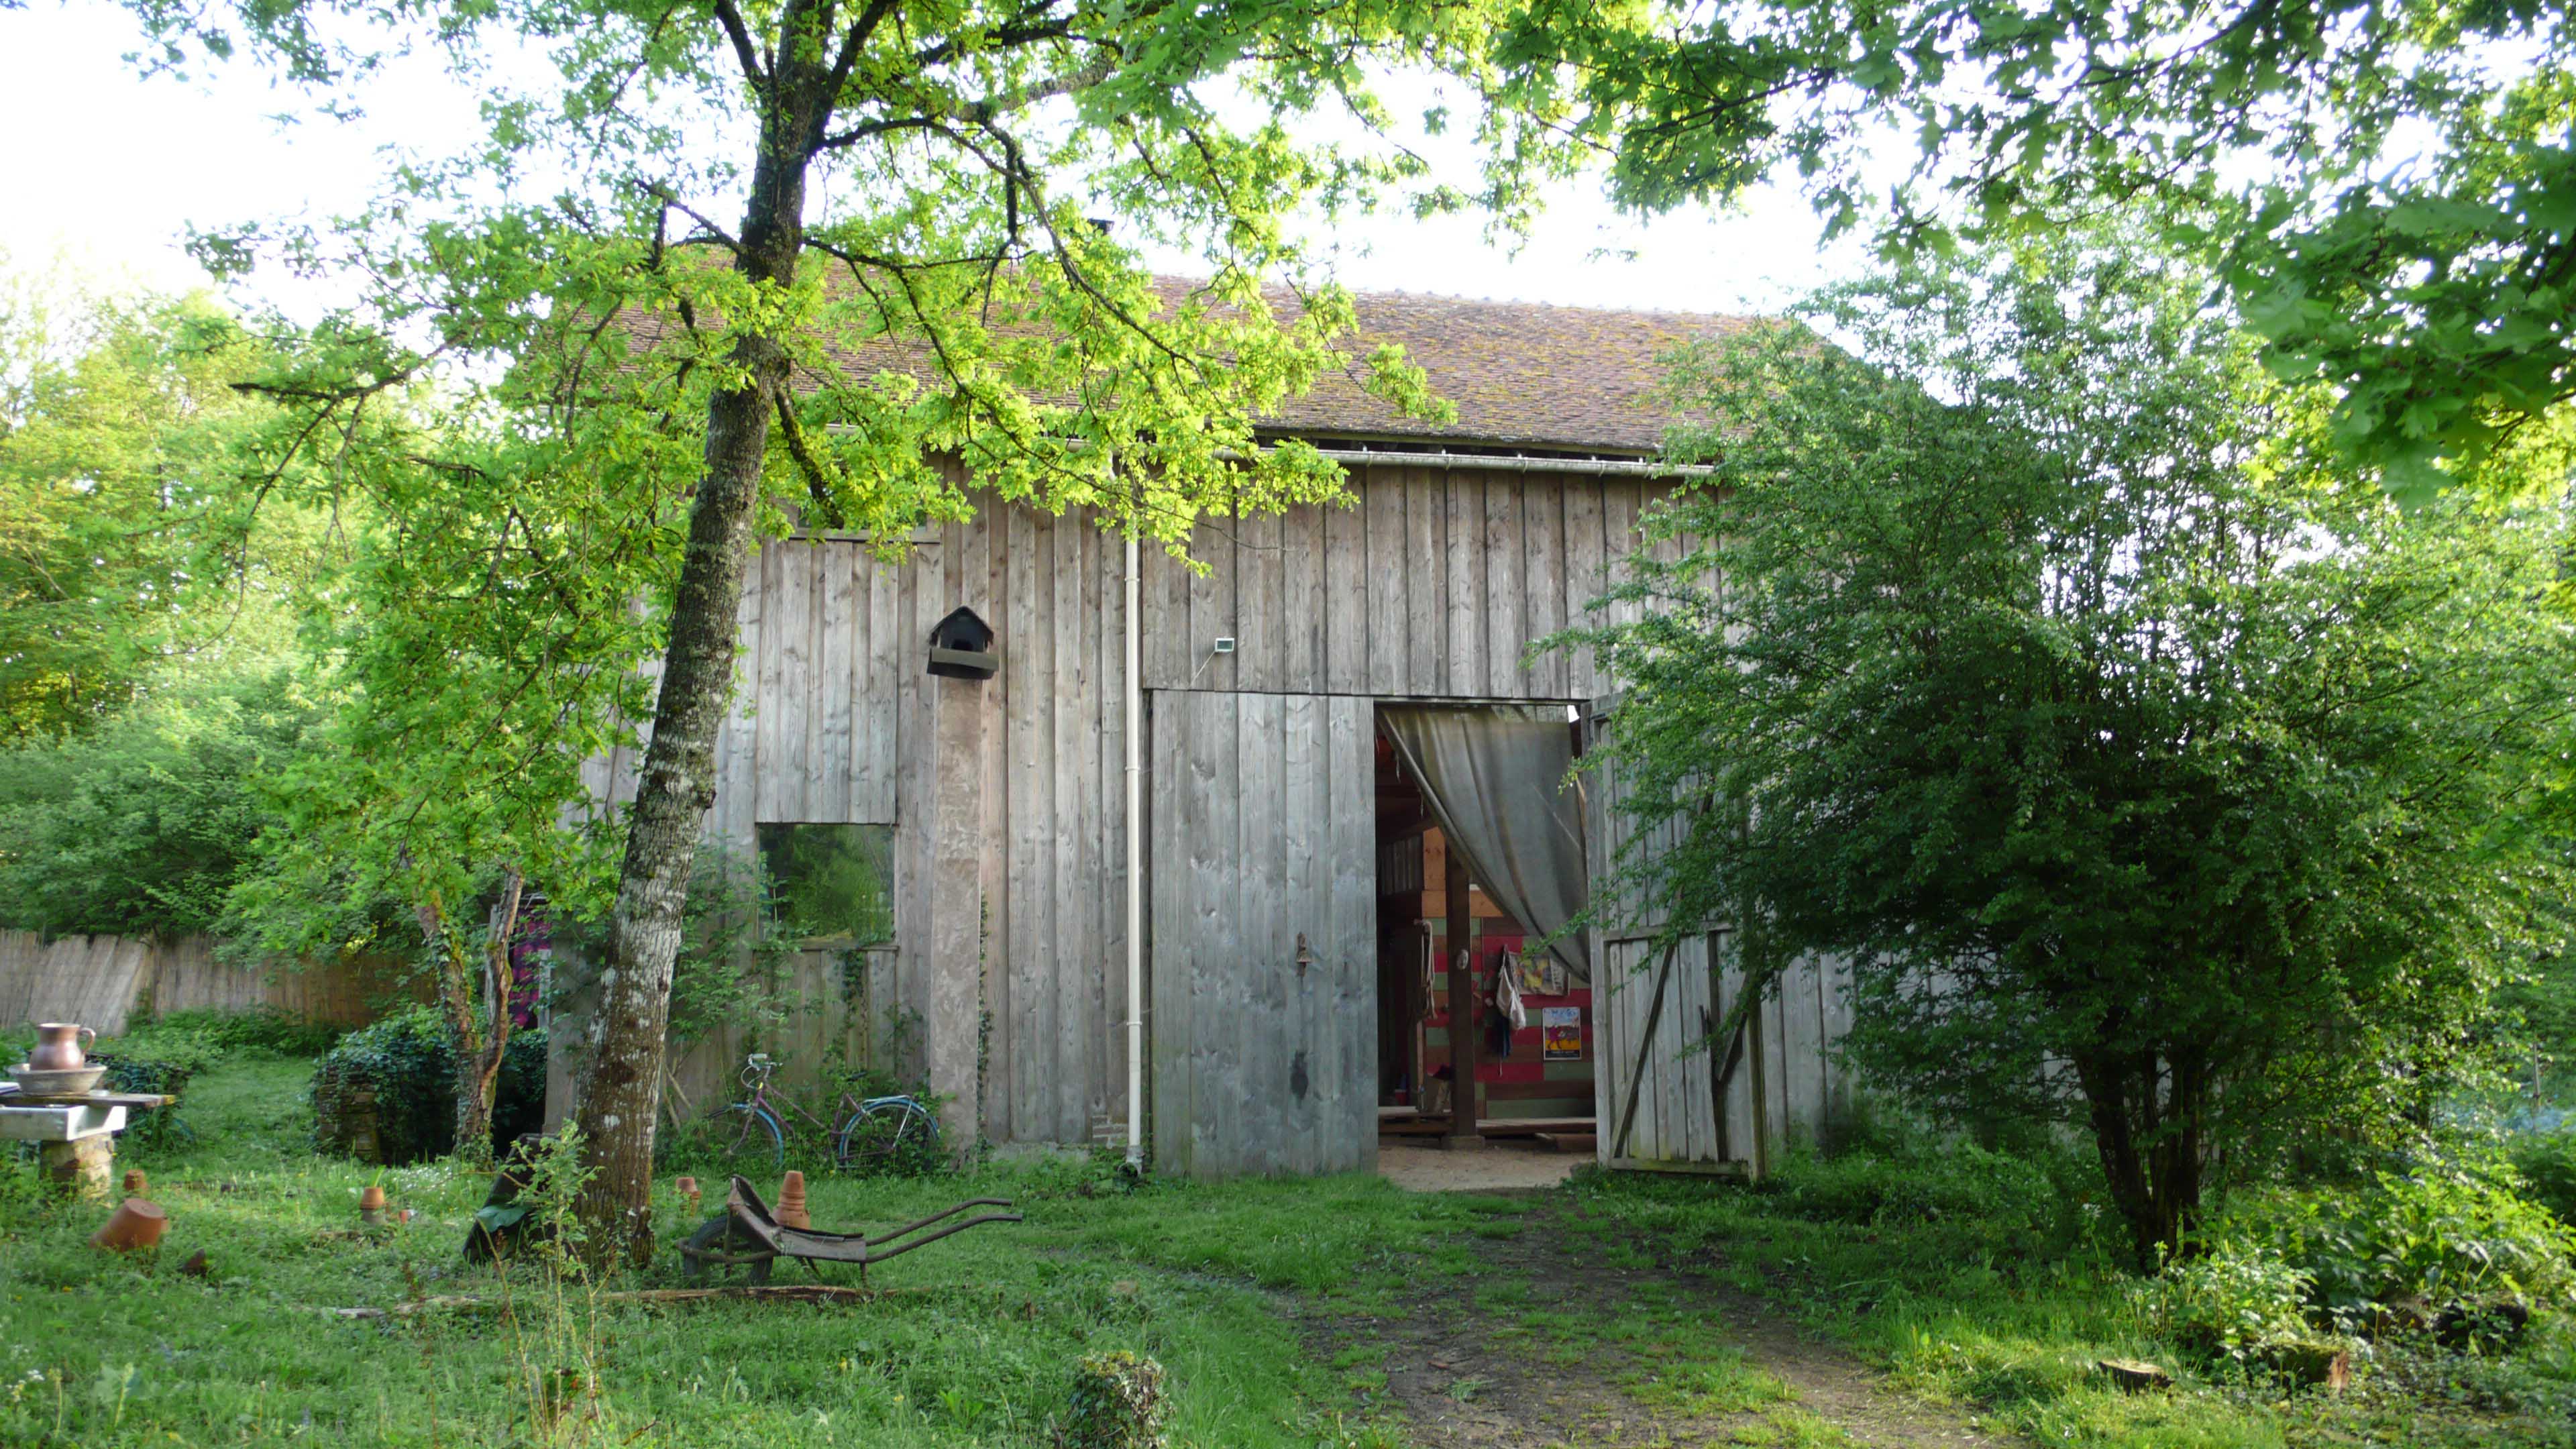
(791,1202)
(135,1224)
(371,1204)
(135,1186)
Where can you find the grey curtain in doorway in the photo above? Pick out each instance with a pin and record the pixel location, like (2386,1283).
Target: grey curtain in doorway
(1496,781)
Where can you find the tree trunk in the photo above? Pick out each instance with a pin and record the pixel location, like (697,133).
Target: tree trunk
(617,1083)
(2146,1112)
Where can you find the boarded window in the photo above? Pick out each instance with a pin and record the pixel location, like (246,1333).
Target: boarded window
(831,885)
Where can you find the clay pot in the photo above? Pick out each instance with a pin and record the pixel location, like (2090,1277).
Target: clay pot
(58,1047)
(791,1202)
(135,1224)
(135,1186)
(371,1204)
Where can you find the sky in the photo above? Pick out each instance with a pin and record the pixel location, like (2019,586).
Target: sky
(113,194)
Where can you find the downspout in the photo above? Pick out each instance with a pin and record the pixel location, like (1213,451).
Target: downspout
(1135,866)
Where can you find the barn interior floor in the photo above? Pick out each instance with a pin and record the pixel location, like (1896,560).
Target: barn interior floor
(1500,1165)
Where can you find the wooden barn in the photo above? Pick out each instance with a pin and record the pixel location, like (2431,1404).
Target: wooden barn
(1130,848)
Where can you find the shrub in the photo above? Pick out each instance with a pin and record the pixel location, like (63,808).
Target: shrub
(387,1092)
(2547,1162)
(1117,1403)
(259,1029)
(2231,1303)
(2443,1230)
(159,1061)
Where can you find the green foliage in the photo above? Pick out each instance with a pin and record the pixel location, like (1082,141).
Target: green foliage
(732,961)
(144,825)
(114,415)
(2234,1302)
(2440,1231)
(1117,1403)
(408,1064)
(2547,1163)
(2002,1201)
(2153,775)
(2387,192)
(259,1029)
(974,1346)
(832,882)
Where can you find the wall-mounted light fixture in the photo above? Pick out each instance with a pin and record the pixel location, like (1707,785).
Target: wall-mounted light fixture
(1305,958)
(961,647)
(1224,644)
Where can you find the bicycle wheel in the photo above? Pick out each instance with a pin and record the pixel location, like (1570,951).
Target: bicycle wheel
(886,1131)
(749,1140)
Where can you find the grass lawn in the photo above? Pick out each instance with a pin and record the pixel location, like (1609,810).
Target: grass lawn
(1332,1312)
(976,1346)
(2006,1305)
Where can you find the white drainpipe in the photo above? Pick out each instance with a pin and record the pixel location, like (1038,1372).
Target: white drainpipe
(1135,866)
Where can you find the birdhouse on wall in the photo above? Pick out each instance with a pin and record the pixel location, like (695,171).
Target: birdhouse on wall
(961,647)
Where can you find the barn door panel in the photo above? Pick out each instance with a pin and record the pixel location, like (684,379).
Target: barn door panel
(1663,1101)
(1263,850)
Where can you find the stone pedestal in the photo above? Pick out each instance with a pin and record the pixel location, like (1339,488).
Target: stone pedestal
(79,1143)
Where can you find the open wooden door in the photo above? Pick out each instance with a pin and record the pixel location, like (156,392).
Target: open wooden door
(1665,1100)
(1263,841)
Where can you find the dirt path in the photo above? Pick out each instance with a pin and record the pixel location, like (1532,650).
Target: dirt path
(1562,1332)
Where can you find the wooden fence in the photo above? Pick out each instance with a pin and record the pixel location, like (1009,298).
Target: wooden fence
(106,981)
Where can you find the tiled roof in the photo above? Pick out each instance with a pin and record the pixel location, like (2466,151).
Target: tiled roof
(1520,373)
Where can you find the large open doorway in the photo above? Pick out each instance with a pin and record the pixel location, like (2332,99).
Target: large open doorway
(1500,1054)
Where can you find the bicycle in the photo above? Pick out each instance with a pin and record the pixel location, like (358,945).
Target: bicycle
(867,1129)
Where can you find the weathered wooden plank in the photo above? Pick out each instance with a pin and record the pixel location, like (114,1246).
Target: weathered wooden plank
(1212,604)
(1462,524)
(1068,930)
(1619,498)
(801,562)
(1028,800)
(1390,565)
(1169,1024)
(1543,581)
(1260,585)
(1584,581)
(1507,585)
(1216,1008)
(1346,580)
(877,730)
(1426,583)
(1305,860)
(844,632)
(1109,706)
(1264,968)
(1351,956)
(1303,611)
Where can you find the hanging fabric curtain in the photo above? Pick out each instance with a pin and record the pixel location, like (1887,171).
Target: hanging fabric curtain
(1495,778)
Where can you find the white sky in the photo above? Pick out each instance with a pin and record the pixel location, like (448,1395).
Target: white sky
(106,169)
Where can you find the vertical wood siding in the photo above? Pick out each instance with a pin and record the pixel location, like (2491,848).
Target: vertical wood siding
(1426,584)
(1784,1087)
(1262,833)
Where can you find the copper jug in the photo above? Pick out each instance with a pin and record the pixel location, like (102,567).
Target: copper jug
(58,1047)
